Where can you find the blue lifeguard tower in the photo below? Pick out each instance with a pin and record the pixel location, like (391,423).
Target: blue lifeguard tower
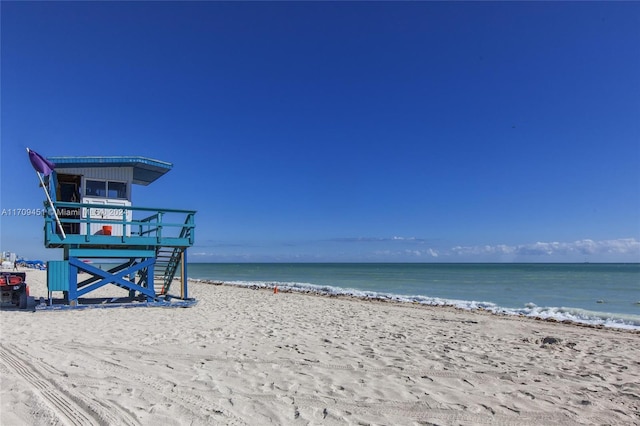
(95,222)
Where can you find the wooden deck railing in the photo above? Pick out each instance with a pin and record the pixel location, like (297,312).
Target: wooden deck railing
(155,227)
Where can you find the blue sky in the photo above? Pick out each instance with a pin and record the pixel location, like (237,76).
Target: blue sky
(360,131)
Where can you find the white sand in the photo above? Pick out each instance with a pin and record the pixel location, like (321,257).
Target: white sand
(252,357)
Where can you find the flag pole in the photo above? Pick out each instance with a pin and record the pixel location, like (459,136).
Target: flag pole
(55,214)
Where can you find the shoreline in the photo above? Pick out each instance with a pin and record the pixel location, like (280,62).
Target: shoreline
(247,357)
(314,292)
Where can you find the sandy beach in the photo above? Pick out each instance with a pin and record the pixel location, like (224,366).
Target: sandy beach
(252,357)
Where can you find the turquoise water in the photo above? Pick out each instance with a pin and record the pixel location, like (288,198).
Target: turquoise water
(606,294)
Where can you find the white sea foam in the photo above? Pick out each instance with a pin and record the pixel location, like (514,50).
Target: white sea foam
(620,321)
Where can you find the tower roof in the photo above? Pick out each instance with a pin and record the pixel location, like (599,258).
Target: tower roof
(145,170)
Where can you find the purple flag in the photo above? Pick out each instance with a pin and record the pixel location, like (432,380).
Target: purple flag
(40,163)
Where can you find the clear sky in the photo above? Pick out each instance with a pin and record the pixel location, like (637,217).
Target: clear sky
(331,131)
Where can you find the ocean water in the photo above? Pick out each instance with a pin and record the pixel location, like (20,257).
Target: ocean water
(591,293)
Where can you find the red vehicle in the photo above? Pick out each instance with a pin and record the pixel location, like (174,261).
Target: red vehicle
(14,289)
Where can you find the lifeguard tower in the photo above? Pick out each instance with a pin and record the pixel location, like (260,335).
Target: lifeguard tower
(95,222)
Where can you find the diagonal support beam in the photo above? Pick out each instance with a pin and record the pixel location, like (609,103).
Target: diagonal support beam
(110,278)
(117,268)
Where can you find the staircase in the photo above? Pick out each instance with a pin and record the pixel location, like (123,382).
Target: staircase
(167,264)
(168,260)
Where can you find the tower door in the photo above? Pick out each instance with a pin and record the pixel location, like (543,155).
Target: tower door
(69,192)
